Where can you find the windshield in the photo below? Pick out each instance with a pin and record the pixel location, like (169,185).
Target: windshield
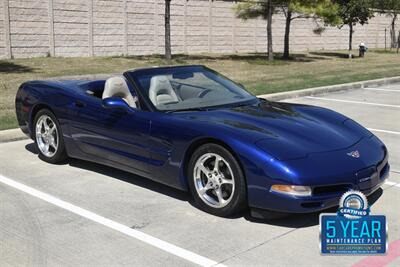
(182,88)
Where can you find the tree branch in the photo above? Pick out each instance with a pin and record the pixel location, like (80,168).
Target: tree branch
(303,17)
(284,11)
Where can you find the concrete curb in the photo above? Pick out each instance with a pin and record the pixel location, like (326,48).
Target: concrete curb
(12,135)
(16,134)
(331,88)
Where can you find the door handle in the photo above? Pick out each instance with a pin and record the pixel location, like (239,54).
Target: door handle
(79,104)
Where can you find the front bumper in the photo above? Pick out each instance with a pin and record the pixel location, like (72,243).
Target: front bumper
(293,204)
(326,175)
(331,203)
(290,204)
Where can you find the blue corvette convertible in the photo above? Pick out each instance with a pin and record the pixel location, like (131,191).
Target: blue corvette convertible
(193,129)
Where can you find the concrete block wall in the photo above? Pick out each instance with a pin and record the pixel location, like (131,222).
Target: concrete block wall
(28,28)
(3,34)
(31,28)
(142,31)
(70,27)
(108,28)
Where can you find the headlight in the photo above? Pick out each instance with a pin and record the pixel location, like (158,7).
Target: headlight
(294,190)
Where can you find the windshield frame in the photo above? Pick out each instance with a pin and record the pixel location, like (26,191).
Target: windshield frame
(134,75)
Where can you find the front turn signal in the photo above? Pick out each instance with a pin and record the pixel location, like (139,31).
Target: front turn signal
(294,190)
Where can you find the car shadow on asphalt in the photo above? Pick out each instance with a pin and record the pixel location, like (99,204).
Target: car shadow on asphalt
(283,220)
(130,178)
(121,175)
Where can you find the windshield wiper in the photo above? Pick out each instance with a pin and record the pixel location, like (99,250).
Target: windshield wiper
(243,104)
(186,109)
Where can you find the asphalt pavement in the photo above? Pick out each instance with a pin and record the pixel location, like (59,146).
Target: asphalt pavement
(82,213)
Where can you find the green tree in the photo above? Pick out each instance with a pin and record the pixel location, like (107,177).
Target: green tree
(312,9)
(262,8)
(392,8)
(353,12)
(292,9)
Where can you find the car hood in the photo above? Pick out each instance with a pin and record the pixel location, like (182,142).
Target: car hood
(287,131)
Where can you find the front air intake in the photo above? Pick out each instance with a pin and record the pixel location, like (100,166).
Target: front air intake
(329,189)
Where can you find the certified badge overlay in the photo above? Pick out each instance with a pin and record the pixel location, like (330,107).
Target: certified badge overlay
(352,230)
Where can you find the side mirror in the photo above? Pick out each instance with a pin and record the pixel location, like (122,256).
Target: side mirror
(115,103)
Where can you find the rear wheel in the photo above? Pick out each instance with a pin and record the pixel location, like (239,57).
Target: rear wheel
(48,137)
(216,181)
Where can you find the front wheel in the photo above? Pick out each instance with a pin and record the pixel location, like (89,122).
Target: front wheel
(48,137)
(216,181)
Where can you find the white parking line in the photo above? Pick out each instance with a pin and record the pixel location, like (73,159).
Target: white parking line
(354,102)
(383,131)
(153,241)
(381,89)
(392,183)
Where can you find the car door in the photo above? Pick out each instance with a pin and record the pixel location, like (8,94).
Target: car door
(117,137)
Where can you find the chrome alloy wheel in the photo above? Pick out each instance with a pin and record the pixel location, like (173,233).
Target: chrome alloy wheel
(214,180)
(46,136)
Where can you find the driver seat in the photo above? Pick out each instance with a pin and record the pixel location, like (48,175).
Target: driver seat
(161,91)
(117,87)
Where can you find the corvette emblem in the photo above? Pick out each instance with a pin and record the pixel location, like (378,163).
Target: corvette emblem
(354,154)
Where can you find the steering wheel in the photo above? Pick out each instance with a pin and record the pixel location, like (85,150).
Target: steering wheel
(203,93)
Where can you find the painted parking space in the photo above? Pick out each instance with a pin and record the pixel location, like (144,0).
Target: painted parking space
(35,233)
(48,233)
(136,202)
(382,90)
(394,86)
(161,212)
(367,96)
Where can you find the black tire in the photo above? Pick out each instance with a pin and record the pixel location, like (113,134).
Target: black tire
(60,154)
(238,201)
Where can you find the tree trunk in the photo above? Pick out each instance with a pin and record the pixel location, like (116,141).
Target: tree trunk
(167,30)
(350,40)
(287,35)
(393,32)
(398,42)
(269,31)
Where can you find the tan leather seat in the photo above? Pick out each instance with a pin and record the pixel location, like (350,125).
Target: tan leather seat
(161,90)
(117,87)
